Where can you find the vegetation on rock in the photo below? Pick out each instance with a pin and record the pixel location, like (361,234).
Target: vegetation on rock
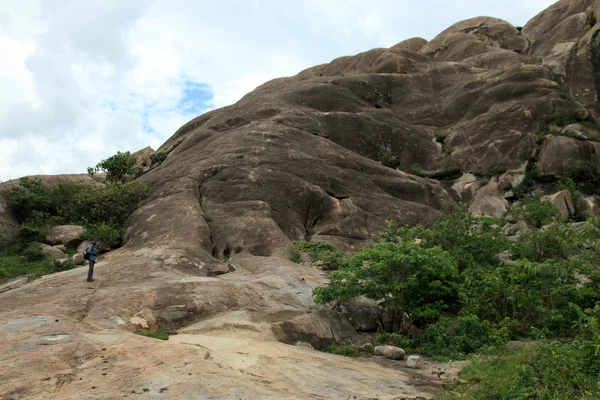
(448,281)
(101,209)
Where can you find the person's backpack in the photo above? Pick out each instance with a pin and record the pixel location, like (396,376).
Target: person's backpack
(86,254)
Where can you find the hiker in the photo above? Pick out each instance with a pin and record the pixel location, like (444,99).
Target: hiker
(93,252)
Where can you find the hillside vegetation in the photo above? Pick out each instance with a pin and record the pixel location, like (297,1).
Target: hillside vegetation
(449,281)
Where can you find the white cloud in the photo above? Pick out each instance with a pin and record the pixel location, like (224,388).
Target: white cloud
(83,79)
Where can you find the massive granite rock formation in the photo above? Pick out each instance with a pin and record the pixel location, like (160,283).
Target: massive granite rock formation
(298,159)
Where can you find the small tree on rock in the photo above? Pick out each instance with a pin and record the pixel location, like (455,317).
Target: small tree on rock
(117,167)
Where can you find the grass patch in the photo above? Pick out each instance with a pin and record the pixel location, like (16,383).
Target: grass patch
(342,350)
(153,335)
(12,266)
(317,251)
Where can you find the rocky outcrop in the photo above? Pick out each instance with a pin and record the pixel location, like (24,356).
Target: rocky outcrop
(563,201)
(52,252)
(67,235)
(557,151)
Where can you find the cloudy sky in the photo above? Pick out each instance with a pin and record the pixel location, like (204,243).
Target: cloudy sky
(81,80)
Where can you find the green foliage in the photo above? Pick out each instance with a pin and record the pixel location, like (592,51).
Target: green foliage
(448,150)
(533,210)
(161,156)
(470,240)
(416,168)
(545,371)
(556,242)
(13,265)
(584,170)
(388,159)
(440,135)
(154,335)
(317,250)
(561,117)
(118,167)
(448,339)
(394,339)
(342,350)
(108,235)
(489,173)
(404,277)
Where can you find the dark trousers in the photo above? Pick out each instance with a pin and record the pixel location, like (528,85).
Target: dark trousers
(91,269)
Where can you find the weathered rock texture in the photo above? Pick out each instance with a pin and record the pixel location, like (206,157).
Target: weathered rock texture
(298,159)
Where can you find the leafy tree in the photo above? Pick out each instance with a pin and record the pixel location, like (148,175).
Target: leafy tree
(404,277)
(117,167)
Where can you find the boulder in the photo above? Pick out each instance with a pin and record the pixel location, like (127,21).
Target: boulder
(556,152)
(391,352)
(515,229)
(143,159)
(587,206)
(413,362)
(367,347)
(489,200)
(364,314)
(78,259)
(67,235)
(60,247)
(563,201)
(52,252)
(83,245)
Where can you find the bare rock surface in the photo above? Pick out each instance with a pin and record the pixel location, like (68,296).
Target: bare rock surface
(62,337)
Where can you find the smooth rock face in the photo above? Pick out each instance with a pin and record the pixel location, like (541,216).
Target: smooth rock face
(67,235)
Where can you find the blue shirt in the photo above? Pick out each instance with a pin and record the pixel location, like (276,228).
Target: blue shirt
(93,251)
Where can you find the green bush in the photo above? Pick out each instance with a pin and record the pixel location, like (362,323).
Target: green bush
(440,135)
(556,242)
(404,277)
(388,159)
(118,167)
(342,350)
(317,250)
(533,210)
(161,156)
(584,170)
(108,235)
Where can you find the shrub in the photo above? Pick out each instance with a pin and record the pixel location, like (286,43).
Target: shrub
(342,350)
(317,250)
(117,167)
(404,277)
(584,170)
(388,159)
(108,235)
(161,156)
(533,210)
(557,242)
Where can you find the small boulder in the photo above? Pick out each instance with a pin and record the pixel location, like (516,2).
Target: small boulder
(78,259)
(413,361)
(60,247)
(52,252)
(515,229)
(67,235)
(367,347)
(588,206)
(391,352)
